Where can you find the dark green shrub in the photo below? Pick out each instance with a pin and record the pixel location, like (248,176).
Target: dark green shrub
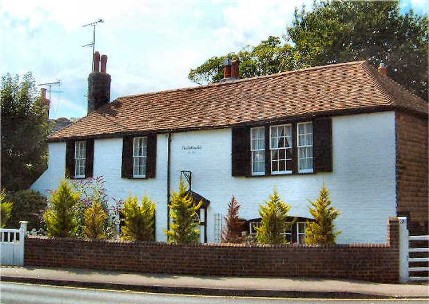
(28,205)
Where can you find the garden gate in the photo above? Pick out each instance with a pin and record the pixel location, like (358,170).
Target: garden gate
(414,255)
(12,245)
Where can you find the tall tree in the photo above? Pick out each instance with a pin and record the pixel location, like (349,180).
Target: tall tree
(24,128)
(339,31)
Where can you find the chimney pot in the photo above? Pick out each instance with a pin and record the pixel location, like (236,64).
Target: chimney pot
(96,62)
(98,86)
(103,63)
(382,69)
(227,69)
(235,69)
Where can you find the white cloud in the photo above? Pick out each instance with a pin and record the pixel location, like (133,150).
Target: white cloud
(151,44)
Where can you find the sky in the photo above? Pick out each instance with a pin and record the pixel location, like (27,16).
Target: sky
(151,45)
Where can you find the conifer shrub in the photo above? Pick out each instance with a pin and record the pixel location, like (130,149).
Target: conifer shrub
(92,190)
(94,221)
(61,215)
(184,216)
(273,221)
(139,221)
(322,230)
(6,209)
(233,224)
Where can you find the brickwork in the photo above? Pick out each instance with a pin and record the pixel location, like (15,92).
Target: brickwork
(372,262)
(412,170)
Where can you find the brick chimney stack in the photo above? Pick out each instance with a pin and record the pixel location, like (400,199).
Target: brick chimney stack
(98,84)
(382,69)
(45,100)
(230,70)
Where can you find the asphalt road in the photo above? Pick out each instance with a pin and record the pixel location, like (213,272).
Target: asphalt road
(12,293)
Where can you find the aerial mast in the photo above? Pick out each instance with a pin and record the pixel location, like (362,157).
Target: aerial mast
(93,24)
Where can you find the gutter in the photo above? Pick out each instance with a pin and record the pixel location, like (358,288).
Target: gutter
(168,178)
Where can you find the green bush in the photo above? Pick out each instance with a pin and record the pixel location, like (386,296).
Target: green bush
(273,221)
(61,216)
(139,220)
(322,230)
(183,211)
(6,209)
(94,221)
(29,206)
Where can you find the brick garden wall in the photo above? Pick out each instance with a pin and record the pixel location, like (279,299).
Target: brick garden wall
(372,262)
(412,170)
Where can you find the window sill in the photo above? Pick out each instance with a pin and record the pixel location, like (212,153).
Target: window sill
(283,174)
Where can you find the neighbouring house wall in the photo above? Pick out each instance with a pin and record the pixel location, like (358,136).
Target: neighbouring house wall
(372,262)
(362,183)
(412,171)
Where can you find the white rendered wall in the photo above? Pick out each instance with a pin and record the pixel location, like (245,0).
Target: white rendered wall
(362,183)
(50,179)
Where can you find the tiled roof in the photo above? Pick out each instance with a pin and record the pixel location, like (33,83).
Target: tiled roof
(327,90)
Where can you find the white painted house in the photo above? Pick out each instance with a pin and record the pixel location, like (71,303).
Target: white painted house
(345,125)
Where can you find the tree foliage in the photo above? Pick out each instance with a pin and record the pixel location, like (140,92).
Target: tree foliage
(61,215)
(268,57)
(322,230)
(184,216)
(335,32)
(139,220)
(233,224)
(94,221)
(341,31)
(6,209)
(24,128)
(273,220)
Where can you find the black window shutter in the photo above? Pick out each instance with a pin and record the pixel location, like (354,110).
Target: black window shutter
(322,138)
(89,164)
(267,151)
(127,157)
(151,156)
(69,172)
(240,151)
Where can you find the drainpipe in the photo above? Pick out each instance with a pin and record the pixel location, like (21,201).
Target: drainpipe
(168,178)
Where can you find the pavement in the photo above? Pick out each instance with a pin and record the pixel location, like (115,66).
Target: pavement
(214,285)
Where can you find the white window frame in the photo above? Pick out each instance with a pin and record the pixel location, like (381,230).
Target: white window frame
(79,159)
(140,157)
(300,232)
(307,146)
(257,150)
(252,227)
(275,150)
